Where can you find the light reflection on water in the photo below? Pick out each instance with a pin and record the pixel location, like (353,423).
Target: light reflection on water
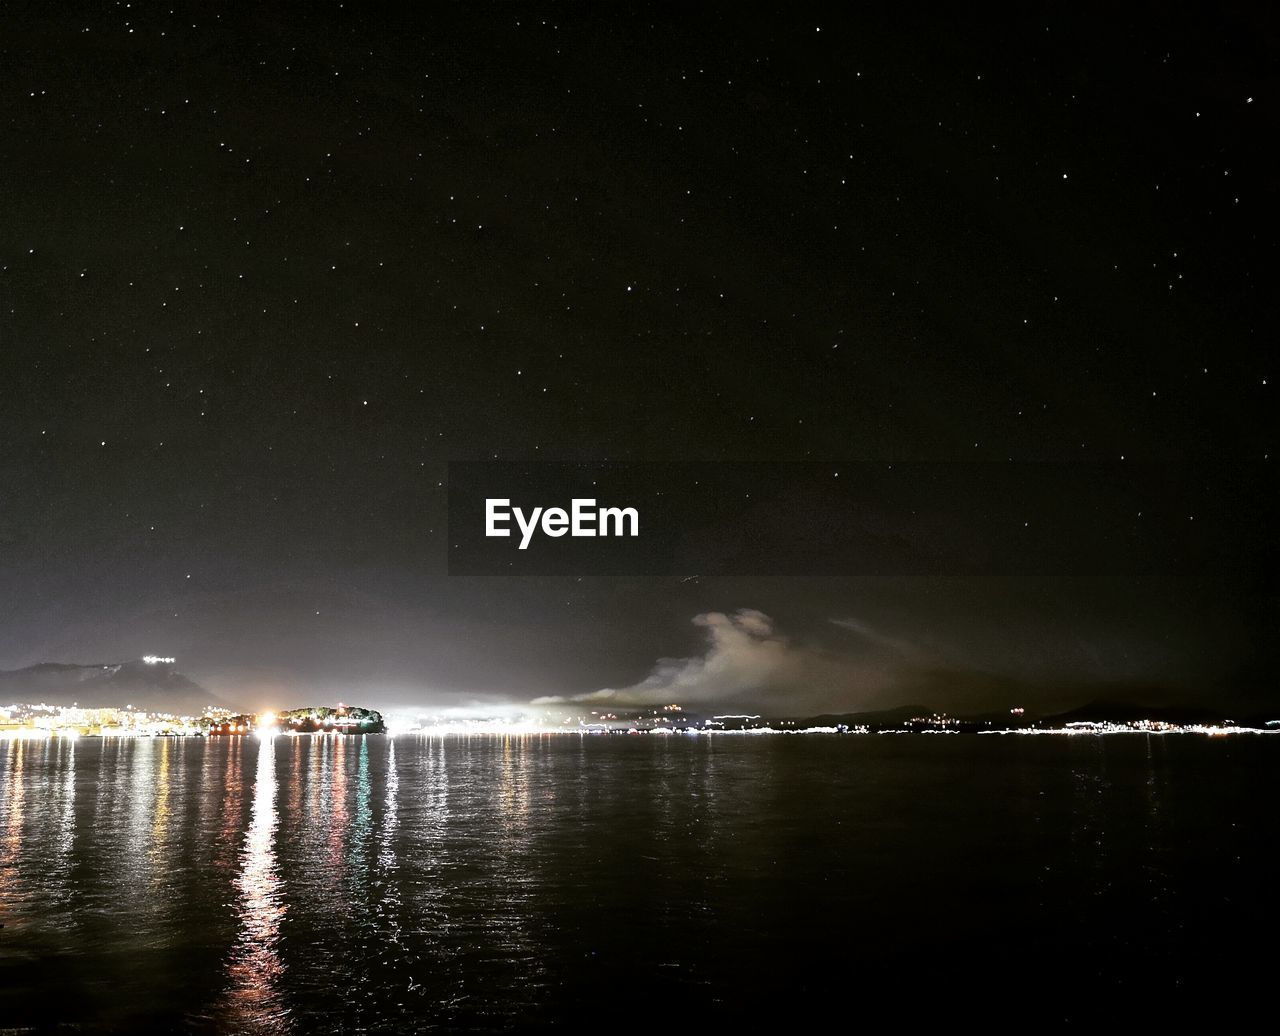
(371,884)
(15,787)
(254,1001)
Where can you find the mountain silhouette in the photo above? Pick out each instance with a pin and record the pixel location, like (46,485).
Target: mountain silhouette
(151,686)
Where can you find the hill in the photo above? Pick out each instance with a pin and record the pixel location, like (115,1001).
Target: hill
(153,686)
(1104,711)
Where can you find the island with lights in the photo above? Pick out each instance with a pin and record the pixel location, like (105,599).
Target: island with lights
(314,719)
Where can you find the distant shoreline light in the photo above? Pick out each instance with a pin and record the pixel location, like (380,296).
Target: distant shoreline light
(31,733)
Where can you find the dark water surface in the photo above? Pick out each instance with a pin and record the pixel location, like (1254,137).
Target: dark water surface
(366,884)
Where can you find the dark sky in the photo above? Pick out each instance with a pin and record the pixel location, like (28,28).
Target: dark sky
(265,273)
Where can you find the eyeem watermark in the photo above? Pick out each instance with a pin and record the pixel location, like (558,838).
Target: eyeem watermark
(582,519)
(816,518)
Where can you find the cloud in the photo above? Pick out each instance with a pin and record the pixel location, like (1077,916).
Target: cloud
(746,661)
(848,664)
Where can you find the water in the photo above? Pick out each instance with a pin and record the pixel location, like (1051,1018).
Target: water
(365,884)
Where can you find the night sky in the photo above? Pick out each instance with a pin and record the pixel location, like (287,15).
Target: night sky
(265,273)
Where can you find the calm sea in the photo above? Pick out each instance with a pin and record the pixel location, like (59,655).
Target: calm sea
(370,884)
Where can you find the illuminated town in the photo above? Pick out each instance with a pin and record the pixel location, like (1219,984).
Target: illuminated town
(43,720)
